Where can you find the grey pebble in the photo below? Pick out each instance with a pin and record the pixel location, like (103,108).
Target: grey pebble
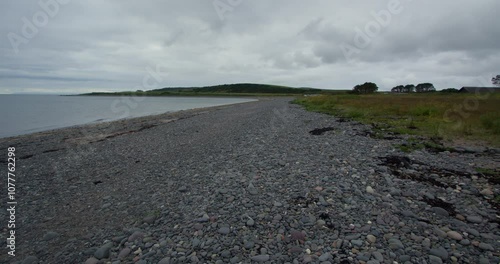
(486,246)
(439,252)
(440,211)
(395,244)
(224,230)
(378,256)
(165,260)
(102,252)
(260,258)
(324,257)
(435,260)
(474,219)
(50,235)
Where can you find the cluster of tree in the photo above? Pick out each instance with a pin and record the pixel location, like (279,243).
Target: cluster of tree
(366,88)
(410,88)
(496,80)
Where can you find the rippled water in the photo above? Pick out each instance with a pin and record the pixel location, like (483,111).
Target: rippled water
(24,114)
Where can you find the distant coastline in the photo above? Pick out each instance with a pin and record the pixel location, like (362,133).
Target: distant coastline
(238,89)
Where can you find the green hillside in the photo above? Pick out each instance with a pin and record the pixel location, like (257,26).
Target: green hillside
(225,89)
(243,88)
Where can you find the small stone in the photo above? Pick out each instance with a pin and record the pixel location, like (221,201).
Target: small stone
(195,242)
(454,235)
(378,256)
(473,232)
(182,189)
(370,190)
(357,243)
(439,252)
(440,211)
(203,219)
(103,252)
(371,238)
(404,258)
(150,219)
(483,260)
(164,261)
(298,235)
(395,244)
(249,245)
(474,219)
(440,233)
(485,246)
(250,222)
(320,223)
(324,257)
(409,213)
(91,261)
(50,235)
(434,260)
(260,258)
(426,243)
(137,235)
(352,237)
(465,242)
(486,192)
(224,230)
(307,259)
(124,253)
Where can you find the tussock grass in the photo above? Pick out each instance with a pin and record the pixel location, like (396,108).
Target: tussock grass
(438,115)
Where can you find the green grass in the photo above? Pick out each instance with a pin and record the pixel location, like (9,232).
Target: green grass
(436,115)
(486,171)
(491,121)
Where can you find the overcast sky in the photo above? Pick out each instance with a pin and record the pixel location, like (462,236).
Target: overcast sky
(74,46)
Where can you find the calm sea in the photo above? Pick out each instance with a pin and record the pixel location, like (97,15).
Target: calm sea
(24,114)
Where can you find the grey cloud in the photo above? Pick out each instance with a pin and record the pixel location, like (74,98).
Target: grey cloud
(108,44)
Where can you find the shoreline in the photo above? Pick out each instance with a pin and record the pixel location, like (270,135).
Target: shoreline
(243,183)
(100,124)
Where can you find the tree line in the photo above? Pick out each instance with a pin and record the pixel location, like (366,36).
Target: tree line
(410,88)
(370,87)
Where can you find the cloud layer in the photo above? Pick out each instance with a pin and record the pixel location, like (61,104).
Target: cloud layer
(68,46)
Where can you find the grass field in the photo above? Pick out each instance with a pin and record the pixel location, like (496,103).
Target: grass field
(452,117)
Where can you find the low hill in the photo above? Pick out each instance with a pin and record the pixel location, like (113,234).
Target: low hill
(243,88)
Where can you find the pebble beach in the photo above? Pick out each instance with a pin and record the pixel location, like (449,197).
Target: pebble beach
(256,182)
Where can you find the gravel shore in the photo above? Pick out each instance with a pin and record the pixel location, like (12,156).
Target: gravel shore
(258,182)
